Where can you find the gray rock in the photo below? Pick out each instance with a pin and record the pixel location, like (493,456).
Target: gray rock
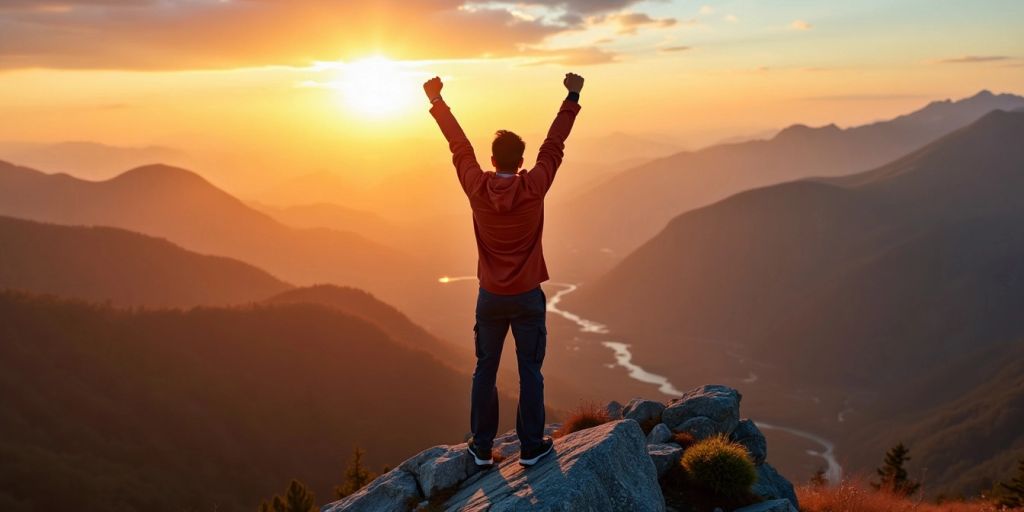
(748,435)
(699,427)
(771,485)
(769,506)
(719,404)
(602,468)
(446,470)
(395,490)
(614,410)
(660,434)
(643,411)
(664,456)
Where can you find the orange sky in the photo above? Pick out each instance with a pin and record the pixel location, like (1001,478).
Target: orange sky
(260,89)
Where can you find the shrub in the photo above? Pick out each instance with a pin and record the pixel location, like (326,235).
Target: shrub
(720,466)
(584,416)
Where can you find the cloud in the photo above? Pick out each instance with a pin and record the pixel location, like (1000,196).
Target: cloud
(219,34)
(707,9)
(585,56)
(674,49)
(800,25)
(630,22)
(974,59)
(731,18)
(204,34)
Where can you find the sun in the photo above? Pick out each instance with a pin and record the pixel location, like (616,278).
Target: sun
(376,86)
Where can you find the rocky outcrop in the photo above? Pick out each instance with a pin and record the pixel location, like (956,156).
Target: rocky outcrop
(612,467)
(704,411)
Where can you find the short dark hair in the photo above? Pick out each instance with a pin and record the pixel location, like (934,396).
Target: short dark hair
(507,150)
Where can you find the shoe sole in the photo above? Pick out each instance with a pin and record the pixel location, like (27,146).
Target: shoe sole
(530,462)
(478,461)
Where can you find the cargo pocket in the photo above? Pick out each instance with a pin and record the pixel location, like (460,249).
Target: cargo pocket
(476,340)
(542,344)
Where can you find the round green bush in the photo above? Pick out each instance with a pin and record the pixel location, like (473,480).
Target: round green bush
(720,466)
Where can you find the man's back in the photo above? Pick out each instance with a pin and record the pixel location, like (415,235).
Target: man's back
(508,209)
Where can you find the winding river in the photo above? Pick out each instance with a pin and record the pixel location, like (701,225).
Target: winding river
(624,358)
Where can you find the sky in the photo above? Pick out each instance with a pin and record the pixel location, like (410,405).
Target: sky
(271,88)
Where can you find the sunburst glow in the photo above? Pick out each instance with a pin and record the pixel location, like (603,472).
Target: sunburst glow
(376,86)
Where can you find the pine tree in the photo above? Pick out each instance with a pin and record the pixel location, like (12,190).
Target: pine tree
(298,498)
(893,476)
(1013,491)
(818,479)
(356,475)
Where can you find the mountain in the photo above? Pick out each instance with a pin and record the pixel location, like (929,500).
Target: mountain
(852,287)
(819,259)
(332,216)
(389,319)
(205,409)
(592,232)
(89,160)
(184,208)
(968,440)
(125,268)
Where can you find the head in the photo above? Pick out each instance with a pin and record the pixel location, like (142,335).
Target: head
(507,151)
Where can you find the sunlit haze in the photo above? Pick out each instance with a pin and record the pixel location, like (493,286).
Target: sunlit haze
(308,82)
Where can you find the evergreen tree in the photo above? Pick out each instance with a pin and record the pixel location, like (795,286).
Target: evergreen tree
(818,479)
(1012,495)
(356,475)
(298,498)
(893,476)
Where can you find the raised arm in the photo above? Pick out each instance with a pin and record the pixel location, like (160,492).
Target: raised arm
(466,166)
(549,158)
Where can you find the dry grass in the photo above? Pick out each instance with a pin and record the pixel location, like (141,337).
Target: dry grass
(684,439)
(859,497)
(584,416)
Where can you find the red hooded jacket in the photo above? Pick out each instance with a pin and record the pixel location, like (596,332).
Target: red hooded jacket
(508,211)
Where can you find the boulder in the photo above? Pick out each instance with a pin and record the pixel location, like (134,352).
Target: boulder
(446,470)
(771,485)
(748,435)
(613,410)
(602,468)
(643,411)
(395,490)
(660,434)
(699,427)
(664,456)
(720,405)
(769,506)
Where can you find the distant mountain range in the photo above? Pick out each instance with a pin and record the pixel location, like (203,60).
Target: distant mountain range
(184,208)
(860,284)
(590,233)
(125,268)
(210,408)
(89,160)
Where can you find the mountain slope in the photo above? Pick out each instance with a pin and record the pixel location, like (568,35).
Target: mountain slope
(606,223)
(128,269)
(781,259)
(205,409)
(396,324)
(851,287)
(89,160)
(186,209)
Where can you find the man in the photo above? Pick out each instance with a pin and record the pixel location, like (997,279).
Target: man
(508,219)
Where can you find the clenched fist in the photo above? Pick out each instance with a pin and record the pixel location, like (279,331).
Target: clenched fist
(573,82)
(433,88)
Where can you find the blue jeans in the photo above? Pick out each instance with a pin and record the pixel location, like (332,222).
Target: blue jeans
(525,314)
